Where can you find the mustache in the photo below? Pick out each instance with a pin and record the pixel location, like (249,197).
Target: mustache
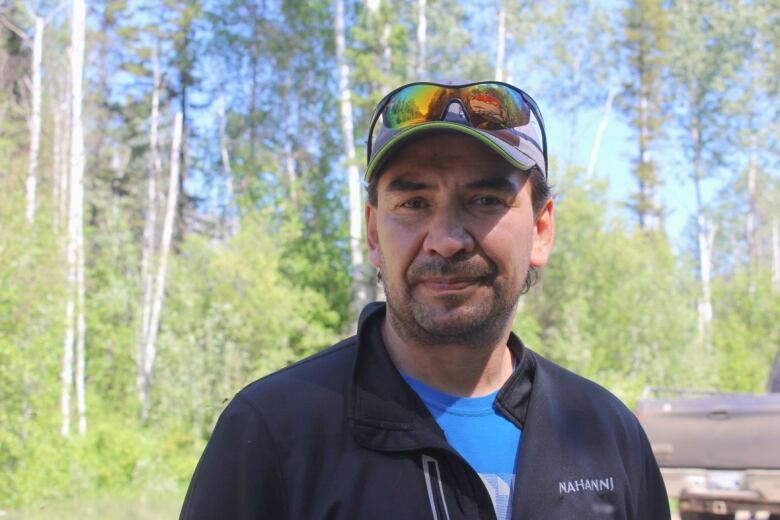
(471,268)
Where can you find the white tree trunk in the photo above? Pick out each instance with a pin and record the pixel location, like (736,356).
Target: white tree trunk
(706,239)
(422,36)
(74,306)
(150,226)
(603,121)
(231,210)
(360,293)
(77,198)
(752,170)
(35,121)
(64,165)
(150,350)
(752,218)
(59,171)
(705,232)
(501,43)
(66,374)
(81,330)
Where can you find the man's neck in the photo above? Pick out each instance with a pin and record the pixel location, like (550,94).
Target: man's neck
(463,370)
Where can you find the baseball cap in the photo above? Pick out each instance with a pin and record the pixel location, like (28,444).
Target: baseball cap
(498,114)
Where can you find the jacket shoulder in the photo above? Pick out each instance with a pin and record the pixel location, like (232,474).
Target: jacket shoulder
(328,369)
(583,397)
(303,397)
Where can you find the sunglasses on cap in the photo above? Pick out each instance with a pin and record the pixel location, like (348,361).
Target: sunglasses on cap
(499,114)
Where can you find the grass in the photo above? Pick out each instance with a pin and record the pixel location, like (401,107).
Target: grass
(146,508)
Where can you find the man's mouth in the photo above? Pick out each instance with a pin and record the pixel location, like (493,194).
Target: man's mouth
(445,284)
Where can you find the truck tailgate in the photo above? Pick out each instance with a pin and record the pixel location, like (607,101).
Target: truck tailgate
(727,431)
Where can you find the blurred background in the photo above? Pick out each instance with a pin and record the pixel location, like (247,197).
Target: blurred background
(180,208)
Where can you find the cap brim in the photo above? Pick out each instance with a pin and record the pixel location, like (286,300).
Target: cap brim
(511,154)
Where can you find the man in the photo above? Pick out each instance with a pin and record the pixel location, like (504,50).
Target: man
(435,409)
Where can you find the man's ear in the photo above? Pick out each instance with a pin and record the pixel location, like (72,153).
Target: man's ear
(544,234)
(372,237)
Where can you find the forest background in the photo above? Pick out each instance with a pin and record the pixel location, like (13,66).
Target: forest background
(181,204)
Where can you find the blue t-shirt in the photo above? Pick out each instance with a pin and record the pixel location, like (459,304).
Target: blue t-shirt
(480,434)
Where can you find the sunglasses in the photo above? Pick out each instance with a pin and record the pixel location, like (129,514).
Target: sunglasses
(496,110)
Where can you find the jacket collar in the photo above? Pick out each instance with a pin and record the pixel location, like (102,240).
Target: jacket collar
(386,414)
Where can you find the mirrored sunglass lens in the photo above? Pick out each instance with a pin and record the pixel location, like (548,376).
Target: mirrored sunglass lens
(414,105)
(496,106)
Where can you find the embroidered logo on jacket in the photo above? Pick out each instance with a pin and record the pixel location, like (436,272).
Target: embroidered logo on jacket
(586,484)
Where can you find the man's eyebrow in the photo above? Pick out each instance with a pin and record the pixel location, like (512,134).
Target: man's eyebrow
(494,184)
(406,185)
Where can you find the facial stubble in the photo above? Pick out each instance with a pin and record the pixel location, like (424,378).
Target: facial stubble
(455,320)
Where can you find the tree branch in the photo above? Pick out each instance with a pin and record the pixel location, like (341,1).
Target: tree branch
(14,28)
(57,10)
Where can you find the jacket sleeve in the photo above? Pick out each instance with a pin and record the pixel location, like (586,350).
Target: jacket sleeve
(239,475)
(653,500)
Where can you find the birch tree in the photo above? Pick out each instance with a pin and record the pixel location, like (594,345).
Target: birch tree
(60,151)
(602,127)
(150,349)
(360,293)
(230,213)
(501,42)
(150,228)
(75,323)
(36,70)
(422,40)
(77,163)
(701,64)
(35,119)
(756,113)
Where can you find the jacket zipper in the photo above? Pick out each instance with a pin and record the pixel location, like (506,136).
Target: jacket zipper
(435,488)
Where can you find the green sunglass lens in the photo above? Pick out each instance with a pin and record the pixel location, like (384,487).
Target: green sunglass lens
(414,105)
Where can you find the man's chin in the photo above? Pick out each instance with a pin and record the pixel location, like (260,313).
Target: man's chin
(448,319)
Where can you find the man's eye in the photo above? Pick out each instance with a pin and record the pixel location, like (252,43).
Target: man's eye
(488,201)
(414,204)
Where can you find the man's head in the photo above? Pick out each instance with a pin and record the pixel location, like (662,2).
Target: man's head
(456,226)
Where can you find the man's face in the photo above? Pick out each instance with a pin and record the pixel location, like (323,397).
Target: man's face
(454,234)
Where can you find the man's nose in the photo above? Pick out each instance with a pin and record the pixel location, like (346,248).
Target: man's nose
(447,234)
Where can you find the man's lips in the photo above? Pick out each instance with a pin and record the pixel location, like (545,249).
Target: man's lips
(448,284)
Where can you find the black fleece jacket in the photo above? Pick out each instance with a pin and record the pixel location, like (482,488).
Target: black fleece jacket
(340,435)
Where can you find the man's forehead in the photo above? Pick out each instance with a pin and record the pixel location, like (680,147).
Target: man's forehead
(475,175)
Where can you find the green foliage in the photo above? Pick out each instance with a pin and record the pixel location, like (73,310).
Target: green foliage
(115,458)
(31,289)
(612,302)
(113,297)
(235,316)
(747,331)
